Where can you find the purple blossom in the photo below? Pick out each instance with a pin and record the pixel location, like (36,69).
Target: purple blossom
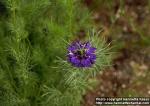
(81,54)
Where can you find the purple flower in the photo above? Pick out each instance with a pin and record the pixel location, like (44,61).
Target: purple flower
(81,54)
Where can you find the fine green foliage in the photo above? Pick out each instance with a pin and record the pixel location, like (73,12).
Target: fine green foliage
(33,48)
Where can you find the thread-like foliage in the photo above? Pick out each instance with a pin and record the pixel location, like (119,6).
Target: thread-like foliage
(33,40)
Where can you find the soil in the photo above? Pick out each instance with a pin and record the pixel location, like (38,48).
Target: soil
(129,74)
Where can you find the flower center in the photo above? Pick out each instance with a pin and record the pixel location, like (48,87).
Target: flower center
(81,53)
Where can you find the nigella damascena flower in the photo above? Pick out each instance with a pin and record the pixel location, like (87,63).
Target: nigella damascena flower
(81,54)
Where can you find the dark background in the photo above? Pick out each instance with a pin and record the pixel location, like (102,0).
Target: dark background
(125,24)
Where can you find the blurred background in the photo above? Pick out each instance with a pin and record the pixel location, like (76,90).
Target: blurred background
(125,24)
